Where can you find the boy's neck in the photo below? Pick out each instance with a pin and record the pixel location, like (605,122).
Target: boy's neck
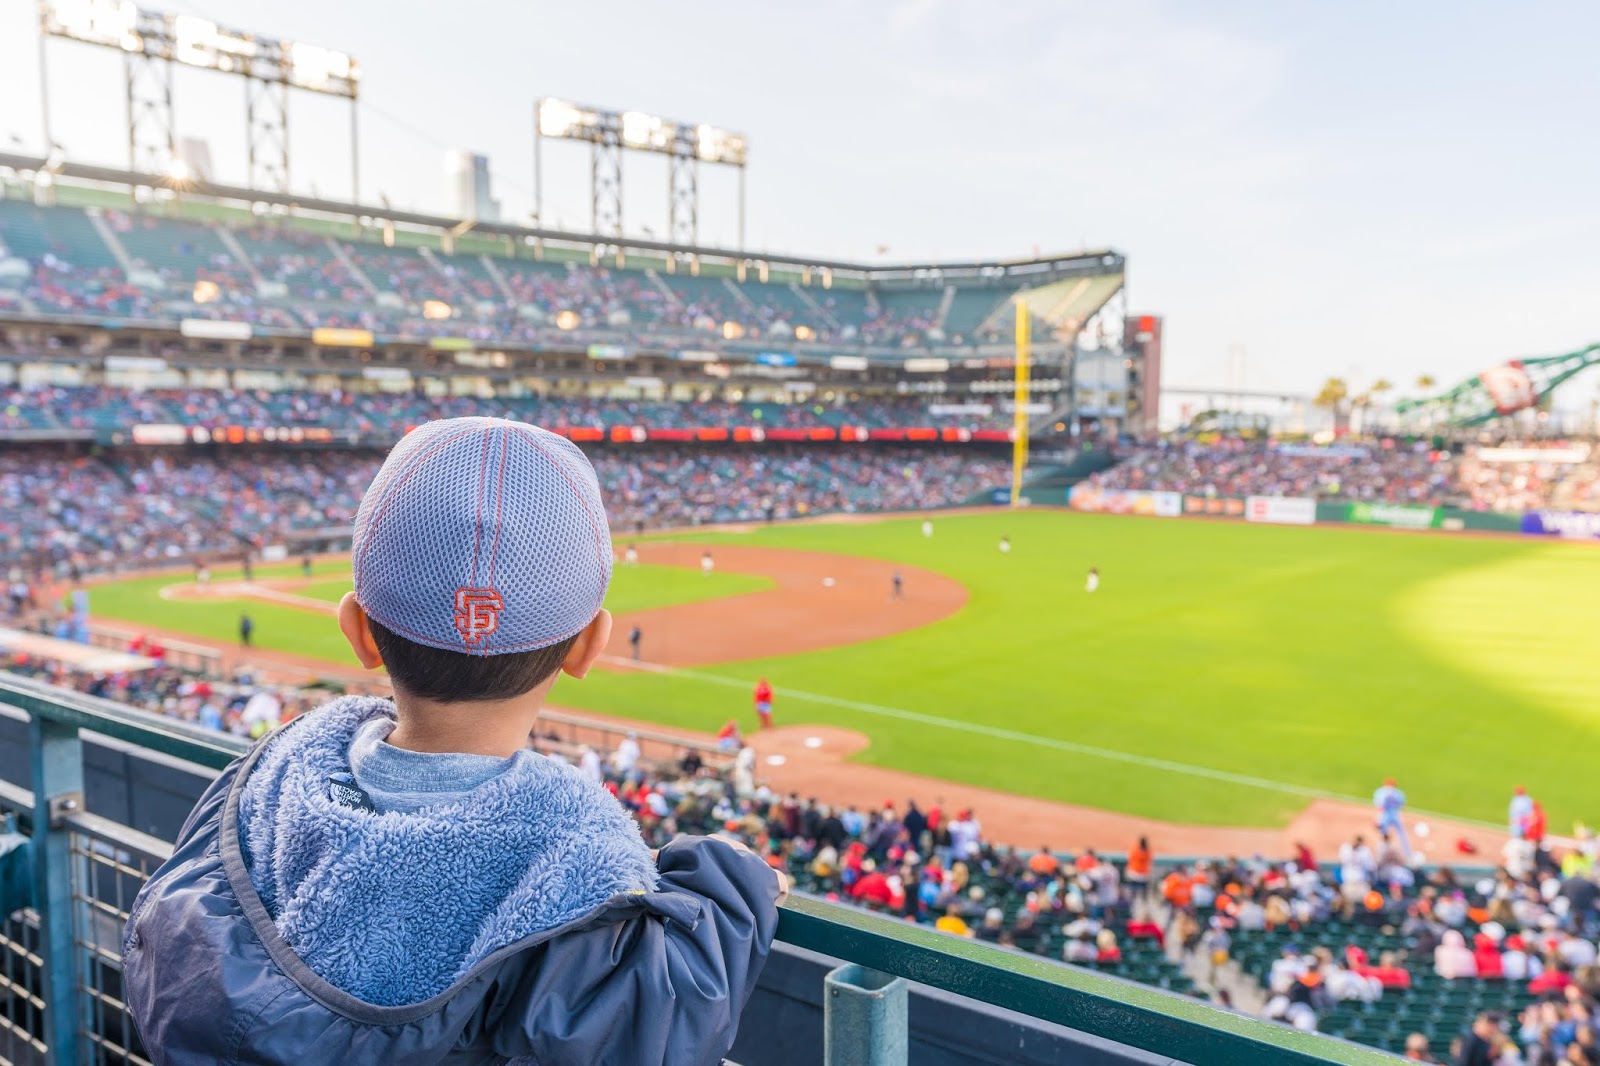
(499,727)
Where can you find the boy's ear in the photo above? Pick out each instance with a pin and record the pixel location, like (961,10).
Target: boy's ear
(353,624)
(587,648)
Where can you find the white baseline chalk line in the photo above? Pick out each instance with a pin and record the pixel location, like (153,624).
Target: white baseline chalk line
(1109,754)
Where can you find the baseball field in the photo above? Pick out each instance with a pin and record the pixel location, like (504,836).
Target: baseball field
(1223,674)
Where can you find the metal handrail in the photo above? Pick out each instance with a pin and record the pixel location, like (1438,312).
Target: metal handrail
(1103,1006)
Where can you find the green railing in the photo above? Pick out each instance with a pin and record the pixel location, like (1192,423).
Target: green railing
(82,860)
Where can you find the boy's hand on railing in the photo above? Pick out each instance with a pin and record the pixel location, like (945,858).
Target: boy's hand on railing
(783,878)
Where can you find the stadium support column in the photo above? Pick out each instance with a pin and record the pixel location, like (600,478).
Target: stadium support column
(1019,446)
(44,92)
(355,156)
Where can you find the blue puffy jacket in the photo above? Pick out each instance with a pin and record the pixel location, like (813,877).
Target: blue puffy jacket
(654,976)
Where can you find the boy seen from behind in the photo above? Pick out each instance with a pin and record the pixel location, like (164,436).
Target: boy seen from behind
(405,881)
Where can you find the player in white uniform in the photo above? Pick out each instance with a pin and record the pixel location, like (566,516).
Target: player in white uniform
(630,556)
(1094,579)
(707,564)
(1005,545)
(927,528)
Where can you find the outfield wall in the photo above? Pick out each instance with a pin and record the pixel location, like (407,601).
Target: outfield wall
(1305,511)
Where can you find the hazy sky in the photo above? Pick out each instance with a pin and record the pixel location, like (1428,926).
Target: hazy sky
(1362,189)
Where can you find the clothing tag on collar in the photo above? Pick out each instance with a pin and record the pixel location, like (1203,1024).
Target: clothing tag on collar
(344,791)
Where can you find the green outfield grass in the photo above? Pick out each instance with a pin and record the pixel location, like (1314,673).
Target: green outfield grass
(1223,674)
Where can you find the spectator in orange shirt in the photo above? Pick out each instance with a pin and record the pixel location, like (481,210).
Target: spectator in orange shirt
(1044,863)
(1176,889)
(1139,863)
(1086,861)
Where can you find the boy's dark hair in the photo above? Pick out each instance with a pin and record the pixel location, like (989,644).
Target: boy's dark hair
(455,677)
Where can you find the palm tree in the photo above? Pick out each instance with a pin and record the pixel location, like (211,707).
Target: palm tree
(1333,395)
(1425,382)
(1381,386)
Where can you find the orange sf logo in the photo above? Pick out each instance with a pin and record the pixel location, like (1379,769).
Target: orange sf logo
(477,613)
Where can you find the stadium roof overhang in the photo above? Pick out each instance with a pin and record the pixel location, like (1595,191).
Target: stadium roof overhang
(1010,271)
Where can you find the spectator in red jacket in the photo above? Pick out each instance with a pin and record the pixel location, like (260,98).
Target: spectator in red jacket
(1487,955)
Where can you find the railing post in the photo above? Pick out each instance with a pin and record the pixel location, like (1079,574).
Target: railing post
(864,1018)
(57,757)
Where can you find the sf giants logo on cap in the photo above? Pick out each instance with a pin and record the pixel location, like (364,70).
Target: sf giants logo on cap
(477,613)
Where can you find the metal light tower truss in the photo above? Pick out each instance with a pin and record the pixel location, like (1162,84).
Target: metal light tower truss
(1502,390)
(266,109)
(611,133)
(683,189)
(153,41)
(152,133)
(605,179)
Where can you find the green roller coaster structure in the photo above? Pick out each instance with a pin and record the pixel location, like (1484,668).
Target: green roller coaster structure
(1503,390)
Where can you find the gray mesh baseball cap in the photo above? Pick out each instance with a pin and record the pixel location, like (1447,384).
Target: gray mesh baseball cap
(483,536)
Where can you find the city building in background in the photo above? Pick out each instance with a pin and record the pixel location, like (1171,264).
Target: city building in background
(467,179)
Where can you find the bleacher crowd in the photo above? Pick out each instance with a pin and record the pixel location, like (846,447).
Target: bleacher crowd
(386,415)
(68,513)
(1236,467)
(282,276)
(1478,478)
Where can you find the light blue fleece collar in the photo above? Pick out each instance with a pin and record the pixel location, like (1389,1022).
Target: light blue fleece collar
(399,780)
(393,906)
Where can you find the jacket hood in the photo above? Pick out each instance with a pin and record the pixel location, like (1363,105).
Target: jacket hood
(393,907)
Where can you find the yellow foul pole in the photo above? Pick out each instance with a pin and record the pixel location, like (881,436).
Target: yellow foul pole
(1019,447)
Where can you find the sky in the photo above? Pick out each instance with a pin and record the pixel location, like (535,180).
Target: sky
(1364,190)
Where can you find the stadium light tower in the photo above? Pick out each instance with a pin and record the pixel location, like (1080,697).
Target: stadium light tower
(609,133)
(152,42)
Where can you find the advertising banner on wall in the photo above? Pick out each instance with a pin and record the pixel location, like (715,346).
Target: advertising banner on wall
(1125,501)
(1399,516)
(1580,525)
(1283,510)
(1224,506)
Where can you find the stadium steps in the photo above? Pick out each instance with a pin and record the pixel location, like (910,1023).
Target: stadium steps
(740,297)
(235,249)
(432,260)
(663,288)
(907,303)
(342,254)
(822,313)
(1000,315)
(491,269)
(172,247)
(942,316)
(970,307)
(113,243)
(782,298)
(1063,475)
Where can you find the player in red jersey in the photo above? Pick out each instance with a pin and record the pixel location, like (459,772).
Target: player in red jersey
(764,703)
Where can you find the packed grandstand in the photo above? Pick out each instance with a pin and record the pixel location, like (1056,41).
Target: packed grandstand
(294,275)
(135,506)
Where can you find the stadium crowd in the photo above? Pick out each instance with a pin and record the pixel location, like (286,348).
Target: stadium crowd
(1508,479)
(67,513)
(292,279)
(1565,477)
(387,415)
(1236,467)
